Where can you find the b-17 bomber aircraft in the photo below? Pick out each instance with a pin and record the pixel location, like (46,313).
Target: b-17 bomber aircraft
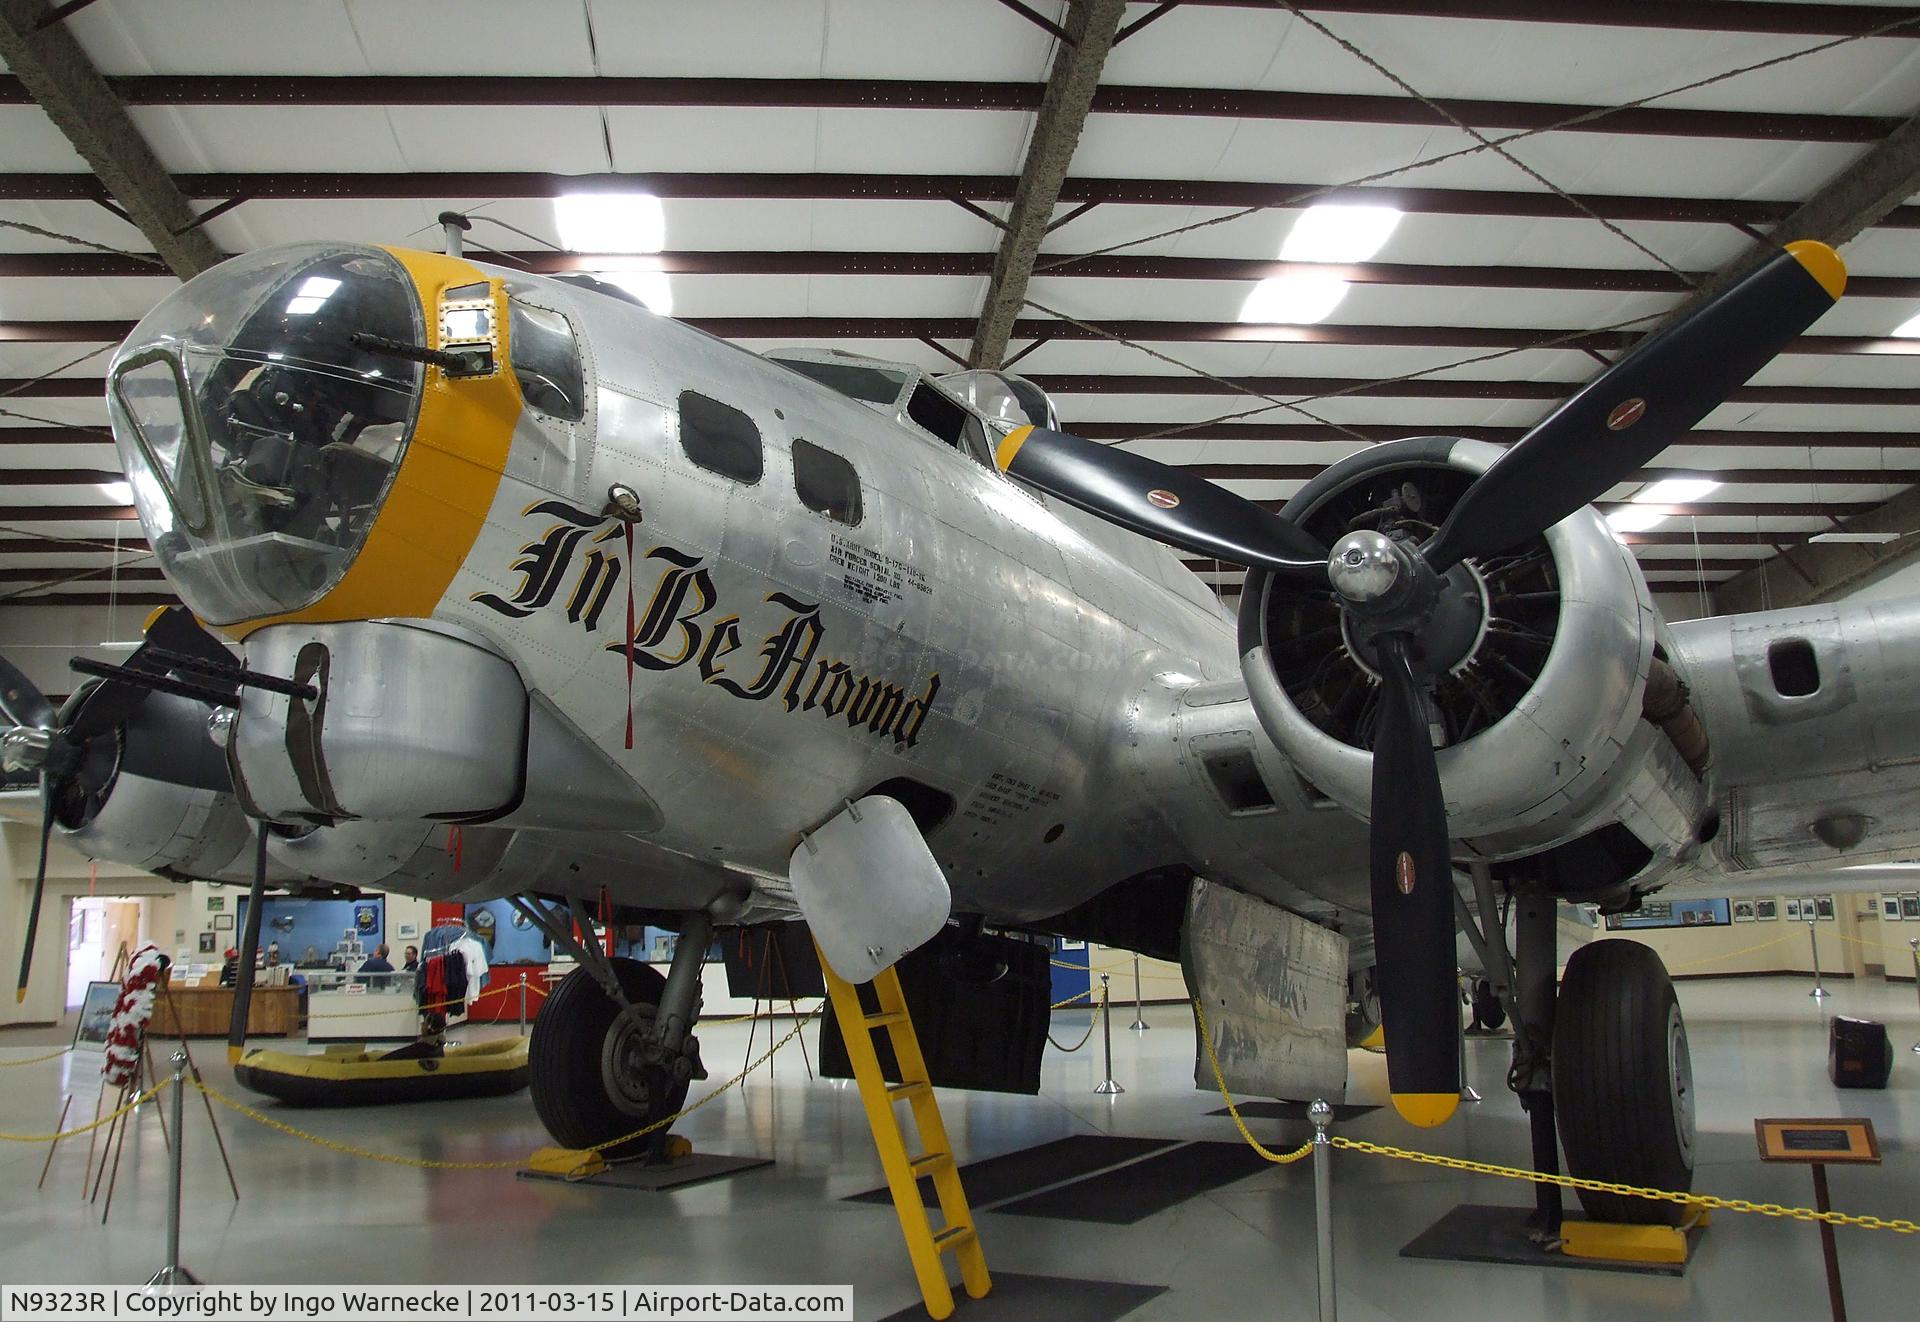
(735,639)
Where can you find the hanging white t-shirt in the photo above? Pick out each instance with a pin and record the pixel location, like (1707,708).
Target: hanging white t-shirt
(475,956)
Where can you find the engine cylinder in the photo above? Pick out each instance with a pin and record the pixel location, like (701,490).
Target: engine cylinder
(1540,706)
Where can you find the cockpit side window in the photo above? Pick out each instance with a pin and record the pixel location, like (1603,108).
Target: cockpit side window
(826,483)
(720,438)
(938,414)
(546,362)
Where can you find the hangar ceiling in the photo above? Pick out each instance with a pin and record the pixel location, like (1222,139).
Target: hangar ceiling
(1098,196)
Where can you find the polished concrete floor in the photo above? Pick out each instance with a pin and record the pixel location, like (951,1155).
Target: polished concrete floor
(1244,1250)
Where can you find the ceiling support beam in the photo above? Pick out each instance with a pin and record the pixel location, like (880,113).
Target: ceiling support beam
(1827,571)
(1854,200)
(1077,63)
(56,72)
(1860,196)
(1299,389)
(948,95)
(1107,266)
(448,185)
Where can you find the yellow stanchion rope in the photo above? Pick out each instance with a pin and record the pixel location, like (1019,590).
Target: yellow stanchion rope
(424,1163)
(1220,1081)
(1732,954)
(1093,1022)
(141,1100)
(35,1060)
(1077,996)
(1712,1202)
(1899,1226)
(501,990)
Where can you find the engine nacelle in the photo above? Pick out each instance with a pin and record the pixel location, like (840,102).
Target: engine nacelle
(1546,737)
(156,796)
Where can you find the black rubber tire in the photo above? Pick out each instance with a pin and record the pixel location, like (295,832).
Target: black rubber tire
(1621,1111)
(569,1094)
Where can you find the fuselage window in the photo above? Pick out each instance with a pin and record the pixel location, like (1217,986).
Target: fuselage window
(826,483)
(546,362)
(937,413)
(720,438)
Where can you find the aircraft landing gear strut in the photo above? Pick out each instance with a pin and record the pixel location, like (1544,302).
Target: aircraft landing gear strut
(1600,1061)
(613,1049)
(1531,1076)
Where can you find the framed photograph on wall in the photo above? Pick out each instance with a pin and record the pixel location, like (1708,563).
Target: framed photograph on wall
(207,943)
(216,903)
(406,931)
(1793,911)
(1767,910)
(1910,906)
(1823,906)
(223,922)
(1743,911)
(1890,908)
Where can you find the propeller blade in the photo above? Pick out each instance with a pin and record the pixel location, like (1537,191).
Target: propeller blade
(39,887)
(1412,878)
(1161,501)
(103,708)
(249,947)
(21,701)
(1640,405)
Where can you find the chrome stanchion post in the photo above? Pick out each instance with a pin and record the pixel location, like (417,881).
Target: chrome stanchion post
(1913,944)
(523,1001)
(173,1273)
(1819,992)
(1139,1024)
(1321,1115)
(1467,1092)
(1106,1087)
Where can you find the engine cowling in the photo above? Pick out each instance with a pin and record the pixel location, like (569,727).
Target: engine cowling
(1547,761)
(155,795)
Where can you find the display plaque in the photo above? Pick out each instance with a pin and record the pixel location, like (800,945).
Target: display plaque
(1825,1141)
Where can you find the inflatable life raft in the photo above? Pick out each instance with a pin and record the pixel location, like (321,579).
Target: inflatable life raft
(350,1075)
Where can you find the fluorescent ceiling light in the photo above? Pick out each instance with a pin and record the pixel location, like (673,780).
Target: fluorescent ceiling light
(610,222)
(1339,233)
(1635,520)
(1676,491)
(1909,329)
(120,493)
(314,291)
(1863,538)
(650,287)
(1298,298)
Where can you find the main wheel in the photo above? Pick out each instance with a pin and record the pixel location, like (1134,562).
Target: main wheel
(1623,1081)
(590,1082)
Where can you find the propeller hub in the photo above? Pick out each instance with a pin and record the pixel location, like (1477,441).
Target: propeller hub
(1367,566)
(25,748)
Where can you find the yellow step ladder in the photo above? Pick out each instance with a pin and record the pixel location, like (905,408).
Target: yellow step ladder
(924,1243)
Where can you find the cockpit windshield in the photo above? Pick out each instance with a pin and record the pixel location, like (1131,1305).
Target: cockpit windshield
(258,435)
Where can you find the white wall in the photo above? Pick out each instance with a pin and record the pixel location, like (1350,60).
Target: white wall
(40,640)
(68,875)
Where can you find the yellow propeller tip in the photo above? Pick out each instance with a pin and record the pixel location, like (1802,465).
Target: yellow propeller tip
(1426,1109)
(234,1054)
(1823,264)
(1376,1040)
(19,995)
(1010,446)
